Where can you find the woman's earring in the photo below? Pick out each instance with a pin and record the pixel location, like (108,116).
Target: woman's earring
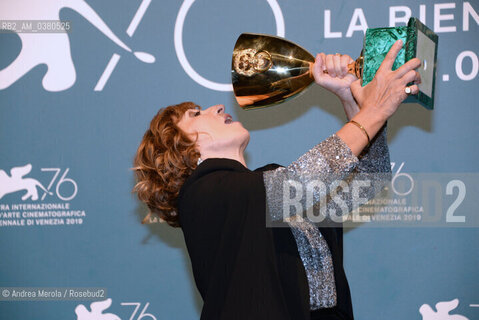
(199,161)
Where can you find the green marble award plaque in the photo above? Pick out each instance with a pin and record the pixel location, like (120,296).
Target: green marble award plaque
(420,42)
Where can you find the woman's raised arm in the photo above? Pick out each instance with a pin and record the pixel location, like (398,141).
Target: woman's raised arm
(335,163)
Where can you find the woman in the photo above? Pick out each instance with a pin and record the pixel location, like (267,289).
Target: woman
(191,172)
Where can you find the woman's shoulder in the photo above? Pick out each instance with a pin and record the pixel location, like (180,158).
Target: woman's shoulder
(270,166)
(216,187)
(218,175)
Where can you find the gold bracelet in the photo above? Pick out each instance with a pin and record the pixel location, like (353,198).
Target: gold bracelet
(362,129)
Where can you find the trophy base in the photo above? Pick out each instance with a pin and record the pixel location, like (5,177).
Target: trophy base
(420,42)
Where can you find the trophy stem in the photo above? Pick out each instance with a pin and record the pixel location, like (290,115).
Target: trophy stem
(355,67)
(358,66)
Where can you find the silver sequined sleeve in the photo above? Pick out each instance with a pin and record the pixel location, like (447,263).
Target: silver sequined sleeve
(330,159)
(376,159)
(373,170)
(327,162)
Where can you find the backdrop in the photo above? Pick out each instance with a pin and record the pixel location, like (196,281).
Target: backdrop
(75,105)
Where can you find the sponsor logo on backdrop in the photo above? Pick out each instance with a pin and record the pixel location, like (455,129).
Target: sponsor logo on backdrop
(17,182)
(180,52)
(97,311)
(43,203)
(53,49)
(443,308)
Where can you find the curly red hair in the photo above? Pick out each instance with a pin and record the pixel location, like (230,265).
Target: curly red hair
(164,160)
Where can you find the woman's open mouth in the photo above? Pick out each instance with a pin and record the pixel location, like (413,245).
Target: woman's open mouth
(228,119)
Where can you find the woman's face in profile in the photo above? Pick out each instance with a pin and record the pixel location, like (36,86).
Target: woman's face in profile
(216,129)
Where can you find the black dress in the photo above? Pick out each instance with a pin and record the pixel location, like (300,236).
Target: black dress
(242,269)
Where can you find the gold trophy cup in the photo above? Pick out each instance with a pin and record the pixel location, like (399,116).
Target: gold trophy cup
(267,70)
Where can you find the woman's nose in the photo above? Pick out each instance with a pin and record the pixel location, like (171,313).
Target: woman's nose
(219,108)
